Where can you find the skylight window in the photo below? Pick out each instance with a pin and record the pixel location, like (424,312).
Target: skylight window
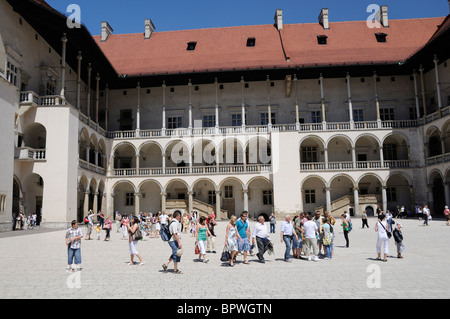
(322,39)
(191,46)
(251,42)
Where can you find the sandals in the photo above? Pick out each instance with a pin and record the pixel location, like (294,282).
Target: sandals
(164,267)
(178,272)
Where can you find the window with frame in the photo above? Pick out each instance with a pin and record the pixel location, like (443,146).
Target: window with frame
(412,113)
(387,114)
(129,199)
(390,152)
(309,154)
(50,89)
(228,192)
(211,197)
(267,197)
(236,119)
(391,194)
(12,73)
(265,118)
(358,116)
(209,120)
(174,122)
(310,196)
(316,116)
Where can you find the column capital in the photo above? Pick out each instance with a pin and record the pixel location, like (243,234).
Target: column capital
(163,194)
(218,192)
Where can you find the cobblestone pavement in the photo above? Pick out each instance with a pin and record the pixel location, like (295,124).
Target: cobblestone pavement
(34,266)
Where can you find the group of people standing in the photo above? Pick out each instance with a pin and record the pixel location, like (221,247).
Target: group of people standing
(21,221)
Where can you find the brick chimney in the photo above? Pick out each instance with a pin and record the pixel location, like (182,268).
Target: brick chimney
(382,16)
(279,19)
(106,31)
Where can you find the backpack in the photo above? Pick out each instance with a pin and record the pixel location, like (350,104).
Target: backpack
(86,220)
(165,232)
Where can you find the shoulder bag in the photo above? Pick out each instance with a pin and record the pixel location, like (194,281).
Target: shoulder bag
(389,234)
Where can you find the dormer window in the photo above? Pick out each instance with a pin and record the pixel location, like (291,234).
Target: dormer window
(381,37)
(251,42)
(322,39)
(191,46)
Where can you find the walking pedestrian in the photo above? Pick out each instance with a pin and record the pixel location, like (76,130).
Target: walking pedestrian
(364,219)
(107,227)
(118,220)
(243,228)
(383,239)
(420,213)
(125,221)
(132,242)
(273,222)
(231,239)
(426,215)
(211,240)
(261,236)
(345,228)
(174,243)
(298,241)
(73,243)
(287,233)
(90,224)
(202,235)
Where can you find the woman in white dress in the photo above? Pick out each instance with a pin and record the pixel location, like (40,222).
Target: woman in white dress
(383,239)
(231,238)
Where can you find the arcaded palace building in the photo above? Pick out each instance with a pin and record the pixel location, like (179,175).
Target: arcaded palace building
(283,118)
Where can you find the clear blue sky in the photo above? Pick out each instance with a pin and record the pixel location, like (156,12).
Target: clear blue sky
(127,16)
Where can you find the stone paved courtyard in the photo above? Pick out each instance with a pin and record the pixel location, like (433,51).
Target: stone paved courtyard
(33,265)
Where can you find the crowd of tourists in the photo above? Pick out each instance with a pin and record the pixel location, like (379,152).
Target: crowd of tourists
(305,236)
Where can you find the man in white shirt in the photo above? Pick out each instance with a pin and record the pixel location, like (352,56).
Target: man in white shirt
(287,234)
(261,236)
(310,230)
(163,218)
(174,243)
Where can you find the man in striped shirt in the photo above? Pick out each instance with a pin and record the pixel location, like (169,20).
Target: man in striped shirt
(73,242)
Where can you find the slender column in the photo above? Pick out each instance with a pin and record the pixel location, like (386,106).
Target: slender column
(95,203)
(190,106)
(138,109)
(218,193)
(328,199)
(354,157)
(111,165)
(325,154)
(79,58)
(190,161)
(89,92)
(269,108)
(416,94)
(96,157)
(438,84)
(245,192)
(163,130)
(111,205)
(297,117)
(106,106)
(384,198)
(447,193)
(163,163)
(356,201)
(350,105)
(381,156)
(97,96)
(137,203)
(242,104)
(63,66)
(424,97)
(86,202)
(217,106)
(377,103)
(163,201)
(137,164)
(88,155)
(190,201)
(322,99)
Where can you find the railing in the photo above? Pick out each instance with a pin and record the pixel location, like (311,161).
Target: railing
(249,168)
(387,164)
(27,153)
(438,159)
(91,167)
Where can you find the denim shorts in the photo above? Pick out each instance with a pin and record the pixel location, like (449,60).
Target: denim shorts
(74,254)
(174,256)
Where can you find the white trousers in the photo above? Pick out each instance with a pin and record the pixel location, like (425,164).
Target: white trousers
(383,240)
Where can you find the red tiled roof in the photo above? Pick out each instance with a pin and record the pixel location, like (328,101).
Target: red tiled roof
(224,49)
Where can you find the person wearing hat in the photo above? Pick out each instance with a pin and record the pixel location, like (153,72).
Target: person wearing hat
(447,215)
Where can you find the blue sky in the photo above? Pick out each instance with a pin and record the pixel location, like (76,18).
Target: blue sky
(128,16)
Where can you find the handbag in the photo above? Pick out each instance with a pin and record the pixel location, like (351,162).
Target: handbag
(197,250)
(389,234)
(137,235)
(226,256)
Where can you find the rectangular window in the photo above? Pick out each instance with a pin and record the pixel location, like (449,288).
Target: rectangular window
(12,73)
(209,121)
(267,197)
(129,199)
(228,192)
(391,194)
(310,196)
(412,113)
(174,122)
(387,114)
(390,152)
(309,154)
(211,197)
(265,118)
(236,119)
(358,116)
(316,117)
